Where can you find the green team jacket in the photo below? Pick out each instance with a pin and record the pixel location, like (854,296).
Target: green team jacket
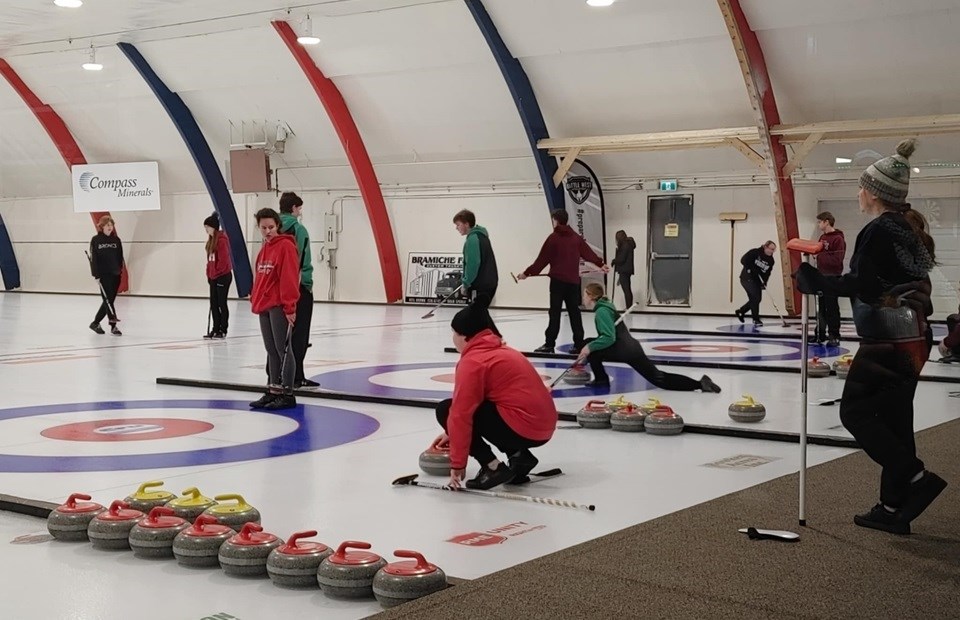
(479,263)
(605,318)
(288,223)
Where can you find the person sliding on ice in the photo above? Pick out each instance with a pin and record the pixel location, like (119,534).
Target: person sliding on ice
(615,344)
(563,250)
(498,396)
(889,286)
(829,263)
(219,276)
(291,209)
(757,267)
(480,277)
(276,290)
(106,265)
(622,264)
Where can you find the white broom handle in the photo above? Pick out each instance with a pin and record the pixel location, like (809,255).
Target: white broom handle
(514,496)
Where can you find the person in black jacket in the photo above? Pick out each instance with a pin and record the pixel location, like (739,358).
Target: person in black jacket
(889,274)
(622,264)
(106,264)
(757,267)
(480,275)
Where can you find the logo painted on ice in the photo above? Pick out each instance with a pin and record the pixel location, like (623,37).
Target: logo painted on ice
(495,536)
(579,188)
(128,429)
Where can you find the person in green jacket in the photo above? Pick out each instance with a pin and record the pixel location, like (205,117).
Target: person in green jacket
(615,344)
(291,209)
(480,276)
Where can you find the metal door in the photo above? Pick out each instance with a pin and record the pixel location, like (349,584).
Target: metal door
(670,247)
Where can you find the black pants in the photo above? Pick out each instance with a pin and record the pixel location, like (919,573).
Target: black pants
(280,360)
(564,294)
(481,300)
(632,353)
(220,313)
(489,426)
(952,322)
(111,284)
(877,409)
(301,330)
(627,289)
(754,295)
(828,317)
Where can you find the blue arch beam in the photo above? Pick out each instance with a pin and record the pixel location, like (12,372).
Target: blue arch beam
(203,157)
(525,100)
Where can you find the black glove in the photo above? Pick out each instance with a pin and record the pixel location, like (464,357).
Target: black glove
(809,280)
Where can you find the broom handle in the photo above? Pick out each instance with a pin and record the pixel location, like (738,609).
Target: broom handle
(732,233)
(514,496)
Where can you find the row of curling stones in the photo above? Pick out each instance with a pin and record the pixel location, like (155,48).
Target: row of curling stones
(192,504)
(622,415)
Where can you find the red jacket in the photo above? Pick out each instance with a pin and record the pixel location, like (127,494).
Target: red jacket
(830,260)
(490,370)
(277,279)
(563,250)
(219,262)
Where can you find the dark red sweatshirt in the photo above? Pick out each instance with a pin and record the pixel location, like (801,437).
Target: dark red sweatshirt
(490,370)
(830,260)
(219,262)
(563,250)
(277,279)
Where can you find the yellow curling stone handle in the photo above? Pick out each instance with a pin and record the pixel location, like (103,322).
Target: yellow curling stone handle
(240,506)
(143,493)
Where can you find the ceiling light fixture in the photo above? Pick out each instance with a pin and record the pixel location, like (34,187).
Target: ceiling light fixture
(69,4)
(92,64)
(844,160)
(600,2)
(306,33)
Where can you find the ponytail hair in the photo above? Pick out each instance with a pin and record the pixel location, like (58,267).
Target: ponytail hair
(919,225)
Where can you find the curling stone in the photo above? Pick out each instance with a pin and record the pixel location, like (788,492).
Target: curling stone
(817,368)
(198,545)
(663,421)
(191,505)
(595,414)
(747,410)
(399,582)
(578,375)
(842,366)
(149,496)
(245,555)
(628,420)
(295,564)
(619,403)
(234,515)
(152,536)
(69,521)
(435,461)
(349,574)
(111,528)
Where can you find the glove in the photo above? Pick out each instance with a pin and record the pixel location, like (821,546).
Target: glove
(809,280)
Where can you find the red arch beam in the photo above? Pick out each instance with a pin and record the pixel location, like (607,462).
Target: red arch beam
(757,80)
(363,171)
(59,134)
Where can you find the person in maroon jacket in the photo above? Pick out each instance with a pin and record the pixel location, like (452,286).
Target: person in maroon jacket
(563,250)
(498,396)
(219,276)
(829,263)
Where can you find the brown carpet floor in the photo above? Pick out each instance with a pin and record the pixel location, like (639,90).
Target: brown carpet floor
(694,563)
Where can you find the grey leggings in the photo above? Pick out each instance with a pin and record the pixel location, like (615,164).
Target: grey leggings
(281,364)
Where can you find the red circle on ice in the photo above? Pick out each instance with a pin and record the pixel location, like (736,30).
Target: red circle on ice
(448,378)
(699,348)
(127,429)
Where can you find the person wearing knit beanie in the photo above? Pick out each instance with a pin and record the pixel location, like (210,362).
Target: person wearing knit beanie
(213,221)
(219,277)
(889,286)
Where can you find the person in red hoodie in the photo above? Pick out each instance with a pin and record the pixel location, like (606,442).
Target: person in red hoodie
(563,250)
(276,290)
(219,276)
(829,263)
(498,396)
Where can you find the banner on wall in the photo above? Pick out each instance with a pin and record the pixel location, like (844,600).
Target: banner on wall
(116,187)
(584,201)
(431,276)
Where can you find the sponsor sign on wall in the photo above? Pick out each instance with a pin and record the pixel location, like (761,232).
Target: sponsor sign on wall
(116,187)
(431,276)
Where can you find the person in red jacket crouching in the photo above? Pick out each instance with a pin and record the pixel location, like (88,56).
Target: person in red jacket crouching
(276,290)
(498,396)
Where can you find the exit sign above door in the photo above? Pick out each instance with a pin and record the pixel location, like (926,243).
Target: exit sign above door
(668,185)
